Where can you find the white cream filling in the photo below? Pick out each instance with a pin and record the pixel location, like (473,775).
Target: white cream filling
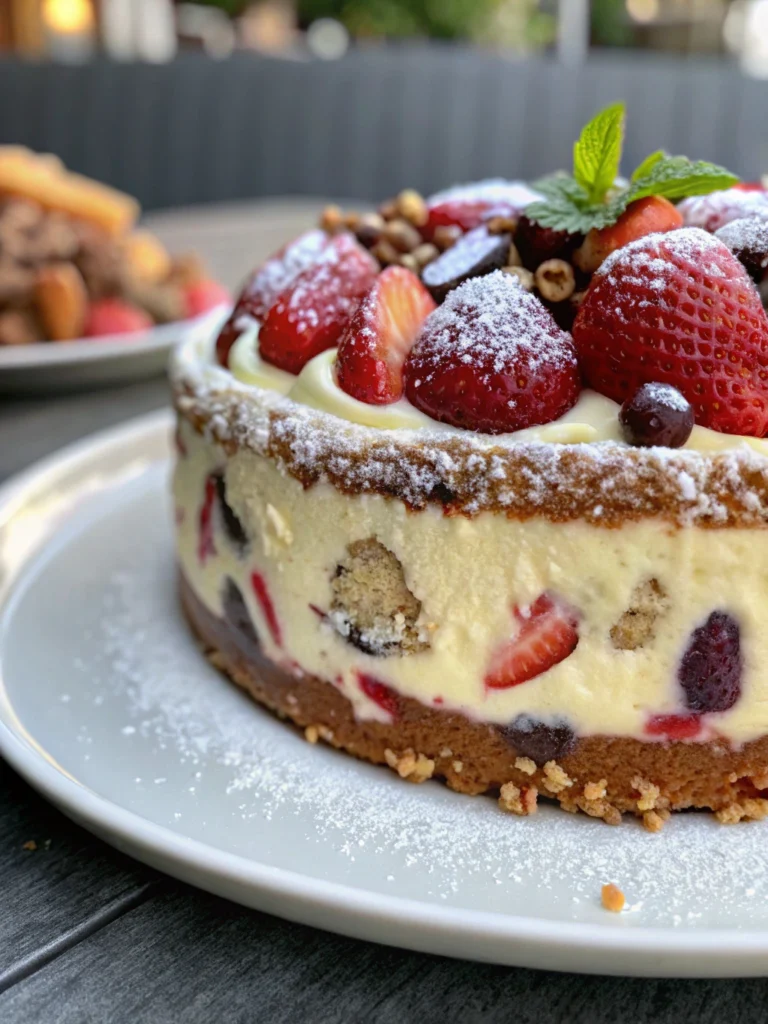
(468,573)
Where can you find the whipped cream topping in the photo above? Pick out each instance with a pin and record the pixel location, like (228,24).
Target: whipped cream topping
(594,418)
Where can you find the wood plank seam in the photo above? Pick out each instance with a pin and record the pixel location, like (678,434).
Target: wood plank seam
(106,915)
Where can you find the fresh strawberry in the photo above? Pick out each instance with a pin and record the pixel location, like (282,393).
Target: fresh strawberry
(204,295)
(114,316)
(379,693)
(310,314)
(259,585)
(262,288)
(380,335)
(467,206)
(492,359)
(750,186)
(717,209)
(674,727)
(548,634)
(679,309)
(643,217)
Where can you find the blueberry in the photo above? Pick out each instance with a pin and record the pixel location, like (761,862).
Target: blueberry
(236,613)
(541,741)
(232,526)
(656,414)
(710,670)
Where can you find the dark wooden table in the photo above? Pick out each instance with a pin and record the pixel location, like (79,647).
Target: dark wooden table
(87,935)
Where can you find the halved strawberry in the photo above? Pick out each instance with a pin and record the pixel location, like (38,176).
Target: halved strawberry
(380,335)
(548,634)
(467,206)
(643,217)
(311,313)
(678,308)
(262,288)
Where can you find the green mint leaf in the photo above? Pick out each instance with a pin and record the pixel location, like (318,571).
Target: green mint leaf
(597,153)
(676,177)
(566,207)
(645,168)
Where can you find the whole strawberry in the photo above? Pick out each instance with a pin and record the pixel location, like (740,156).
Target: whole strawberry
(492,359)
(678,308)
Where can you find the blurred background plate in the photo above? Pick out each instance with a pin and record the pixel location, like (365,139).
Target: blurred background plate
(50,367)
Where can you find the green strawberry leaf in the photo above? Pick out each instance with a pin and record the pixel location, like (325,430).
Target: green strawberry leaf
(676,177)
(597,153)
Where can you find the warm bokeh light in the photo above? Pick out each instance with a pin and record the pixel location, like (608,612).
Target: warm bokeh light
(643,10)
(68,16)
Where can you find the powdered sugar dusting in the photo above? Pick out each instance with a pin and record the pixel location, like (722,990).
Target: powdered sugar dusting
(667,396)
(493,323)
(281,270)
(712,211)
(746,235)
(271,795)
(649,256)
(516,194)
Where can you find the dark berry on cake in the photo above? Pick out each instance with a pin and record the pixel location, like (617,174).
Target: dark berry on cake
(657,414)
(637,625)
(546,634)
(537,243)
(236,613)
(541,741)
(475,254)
(372,607)
(679,309)
(233,528)
(748,241)
(375,343)
(711,668)
(492,359)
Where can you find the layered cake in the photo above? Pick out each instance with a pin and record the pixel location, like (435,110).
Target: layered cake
(476,487)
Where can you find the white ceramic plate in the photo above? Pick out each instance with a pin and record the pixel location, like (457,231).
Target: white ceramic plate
(48,367)
(108,708)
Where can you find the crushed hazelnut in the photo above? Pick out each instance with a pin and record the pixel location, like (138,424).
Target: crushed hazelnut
(409,261)
(446,235)
(411,205)
(446,752)
(332,219)
(555,280)
(595,790)
(425,253)
(458,767)
(385,252)
(311,734)
(525,765)
(518,801)
(525,277)
(649,793)
(501,225)
(653,821)
(752,809)
(556,780)
(759,781)
(410,765)
(402,235)
(612,898)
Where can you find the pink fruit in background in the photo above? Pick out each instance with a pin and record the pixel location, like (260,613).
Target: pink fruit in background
(204,295)
(114,316)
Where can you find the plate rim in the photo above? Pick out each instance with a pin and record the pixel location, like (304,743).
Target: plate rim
(51,354)
(511,939)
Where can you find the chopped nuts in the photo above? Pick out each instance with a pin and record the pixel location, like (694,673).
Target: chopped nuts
(649,794)
(514,259)
(385,252)
(446,235)
(402,235)
(311,734)
(458,767)
(653,821)
(518,801)
(332,219)
(612,898)
(409,765)
(555,280)
(525,765)
(425,253)
(409,261)
(62,301)
(525,277)
(595,790)
(556,780)
(501,225)
(369,229)
(389,209)
(412,206)
(753,809)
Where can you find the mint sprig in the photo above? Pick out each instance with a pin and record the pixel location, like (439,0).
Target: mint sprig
(592,197)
